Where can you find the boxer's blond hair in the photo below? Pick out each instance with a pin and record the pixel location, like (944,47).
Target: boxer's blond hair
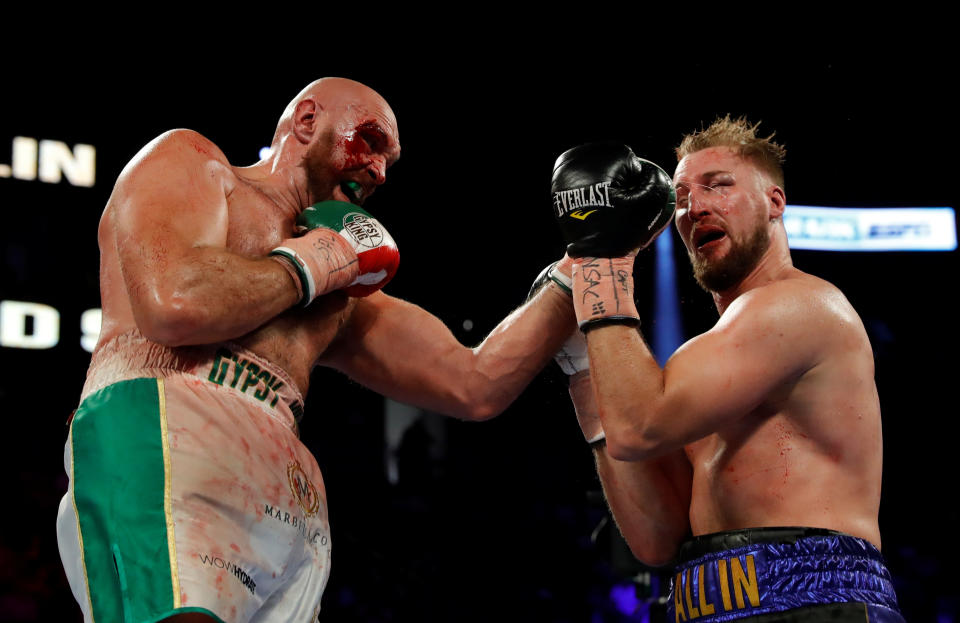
(740,135)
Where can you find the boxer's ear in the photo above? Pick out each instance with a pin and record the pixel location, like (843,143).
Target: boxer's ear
(306,119)
(776,201)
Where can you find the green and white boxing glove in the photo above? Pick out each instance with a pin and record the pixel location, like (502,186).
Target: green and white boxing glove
(340,247)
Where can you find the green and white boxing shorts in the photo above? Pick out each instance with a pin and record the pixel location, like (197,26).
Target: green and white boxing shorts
(190,490)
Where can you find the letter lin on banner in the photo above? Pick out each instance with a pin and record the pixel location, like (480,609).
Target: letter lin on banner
(50,161)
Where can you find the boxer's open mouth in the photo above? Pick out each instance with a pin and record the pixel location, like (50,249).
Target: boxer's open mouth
(353,191)
(706,236)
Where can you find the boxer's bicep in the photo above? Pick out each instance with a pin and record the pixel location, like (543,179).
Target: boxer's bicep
(400,350)
(168,206)
(404,352)
(758,346)
(169,218)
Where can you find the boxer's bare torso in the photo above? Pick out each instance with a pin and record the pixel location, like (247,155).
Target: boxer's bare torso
(253,225)
(792,439)
(810,453)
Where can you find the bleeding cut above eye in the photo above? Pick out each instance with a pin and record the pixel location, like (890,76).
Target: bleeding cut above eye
(373,135)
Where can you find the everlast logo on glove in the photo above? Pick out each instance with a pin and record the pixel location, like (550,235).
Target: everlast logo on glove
(621,194)
(364,230)
(571,201)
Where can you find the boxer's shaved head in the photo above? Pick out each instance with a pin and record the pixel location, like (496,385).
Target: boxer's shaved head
(337,96)
(342,135)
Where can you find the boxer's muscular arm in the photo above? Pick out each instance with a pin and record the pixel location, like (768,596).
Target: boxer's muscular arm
(170,231)
(406,353)
(649,499)
(767,337)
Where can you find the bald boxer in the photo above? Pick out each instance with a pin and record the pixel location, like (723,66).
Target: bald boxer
(752,459)
(190,496)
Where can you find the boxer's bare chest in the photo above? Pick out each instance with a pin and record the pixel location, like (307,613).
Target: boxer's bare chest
(256,224)
(732,468)
(739,449)
(295,339)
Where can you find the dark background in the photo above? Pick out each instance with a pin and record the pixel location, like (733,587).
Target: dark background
(497,519)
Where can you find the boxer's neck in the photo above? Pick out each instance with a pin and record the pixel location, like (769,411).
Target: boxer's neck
(280,177)
(775,264)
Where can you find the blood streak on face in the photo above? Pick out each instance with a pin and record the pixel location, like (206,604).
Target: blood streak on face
(361,144)
(352,147)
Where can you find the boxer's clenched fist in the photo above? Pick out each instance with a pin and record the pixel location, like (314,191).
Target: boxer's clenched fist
(609,204)
(341,247)
(608,201)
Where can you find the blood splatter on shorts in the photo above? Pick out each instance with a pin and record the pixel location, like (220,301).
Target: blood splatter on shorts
(190,491)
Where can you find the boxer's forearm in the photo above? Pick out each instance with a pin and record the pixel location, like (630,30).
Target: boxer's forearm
(650,501)
(211,296)
(518,349)
(628,385)
(480,383)
(402,351)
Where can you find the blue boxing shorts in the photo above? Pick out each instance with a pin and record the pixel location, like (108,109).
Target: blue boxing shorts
(781,575)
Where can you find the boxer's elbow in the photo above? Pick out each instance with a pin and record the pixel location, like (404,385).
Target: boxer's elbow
(654,553)
(171,321)
(655,545)
(476,393)
(475,408)
(450,395)
(631,439)
(475,414)
(624,447)
(169,331)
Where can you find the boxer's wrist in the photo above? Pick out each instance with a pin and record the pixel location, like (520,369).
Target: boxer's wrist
(573,356)
(358,236)
(585,406)
(294,275)
(561,274)
(603,292)
(322,261)
(557,272)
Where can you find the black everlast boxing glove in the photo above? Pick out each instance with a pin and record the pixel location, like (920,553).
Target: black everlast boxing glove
(609,203)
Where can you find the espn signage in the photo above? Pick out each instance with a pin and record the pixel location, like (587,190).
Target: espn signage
(50,161)
(871,229)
